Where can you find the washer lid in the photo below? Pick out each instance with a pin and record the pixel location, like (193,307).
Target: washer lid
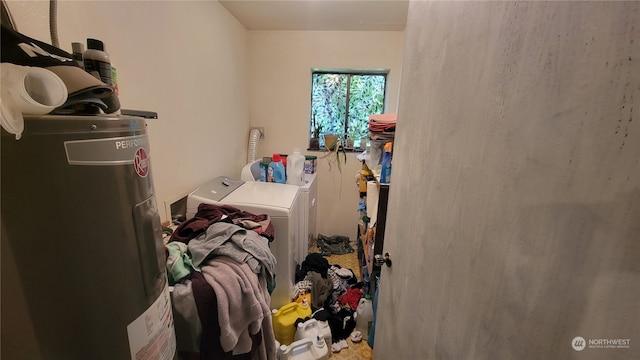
(263,198)
(218,188)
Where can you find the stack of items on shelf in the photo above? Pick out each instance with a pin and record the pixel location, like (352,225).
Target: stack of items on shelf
(363,176)
(382,130)
(382,127)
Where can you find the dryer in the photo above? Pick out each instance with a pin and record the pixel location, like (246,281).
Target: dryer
(308,215)
(280,201)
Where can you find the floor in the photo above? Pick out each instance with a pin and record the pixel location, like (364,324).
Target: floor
(355,351)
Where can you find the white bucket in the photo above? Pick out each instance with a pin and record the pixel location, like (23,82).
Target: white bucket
(28,90)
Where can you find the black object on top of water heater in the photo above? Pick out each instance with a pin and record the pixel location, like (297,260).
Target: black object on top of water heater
(86,94)
(80,217)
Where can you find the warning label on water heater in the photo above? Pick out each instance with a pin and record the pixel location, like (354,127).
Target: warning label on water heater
(151,335)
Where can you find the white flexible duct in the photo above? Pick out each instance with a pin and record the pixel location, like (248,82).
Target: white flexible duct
(254,136)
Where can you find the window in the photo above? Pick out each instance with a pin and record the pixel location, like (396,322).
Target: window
(341,102)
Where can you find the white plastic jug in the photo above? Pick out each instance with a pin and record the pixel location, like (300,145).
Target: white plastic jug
(295,168)
(305,349)
(312,328)
(364,316)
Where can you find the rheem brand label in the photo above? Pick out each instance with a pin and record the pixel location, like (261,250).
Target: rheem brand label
(141,162)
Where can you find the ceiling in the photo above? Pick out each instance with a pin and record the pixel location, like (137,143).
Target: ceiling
(320,15)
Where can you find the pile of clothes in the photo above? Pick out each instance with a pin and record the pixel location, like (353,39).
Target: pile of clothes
(334,245)
(223,272)
(335,292)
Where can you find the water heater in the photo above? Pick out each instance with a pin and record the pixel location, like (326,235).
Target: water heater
(80,217)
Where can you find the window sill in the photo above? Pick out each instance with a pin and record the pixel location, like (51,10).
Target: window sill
(349,150)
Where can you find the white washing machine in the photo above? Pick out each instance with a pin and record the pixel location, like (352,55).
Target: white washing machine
(308,207)
(280,201)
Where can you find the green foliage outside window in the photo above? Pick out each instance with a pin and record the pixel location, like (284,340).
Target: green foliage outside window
(342,102)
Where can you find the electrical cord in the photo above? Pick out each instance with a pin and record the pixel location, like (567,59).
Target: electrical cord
(167,231)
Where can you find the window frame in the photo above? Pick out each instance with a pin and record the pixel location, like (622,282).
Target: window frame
(349,72)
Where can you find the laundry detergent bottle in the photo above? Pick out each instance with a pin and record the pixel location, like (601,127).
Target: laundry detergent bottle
(312,328)
(305,349)
(275,171)
(364,315)
(295,168)
(284,320)
(385,175)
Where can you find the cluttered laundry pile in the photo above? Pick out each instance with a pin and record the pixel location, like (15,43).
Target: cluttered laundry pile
(222,273)
(334,296)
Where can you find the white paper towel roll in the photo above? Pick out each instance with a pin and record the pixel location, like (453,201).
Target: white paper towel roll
(28,90)
(372,202)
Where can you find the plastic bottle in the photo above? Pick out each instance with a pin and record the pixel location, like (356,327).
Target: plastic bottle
(114,79)
(284,320)
(312,328)
(364,316)
(385,173)
(275,171)
(303,296)
(78,50)
(295,168)
(264,168)
(283,159)
(97,62)
(365,174)
(310,164)
(305,349)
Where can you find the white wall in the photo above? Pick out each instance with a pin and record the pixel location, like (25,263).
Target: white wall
(191,62)
(182,59)
(280,64)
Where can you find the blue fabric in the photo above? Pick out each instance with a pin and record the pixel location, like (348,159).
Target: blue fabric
(372,331)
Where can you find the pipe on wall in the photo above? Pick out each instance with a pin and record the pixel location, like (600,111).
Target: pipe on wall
(254,137)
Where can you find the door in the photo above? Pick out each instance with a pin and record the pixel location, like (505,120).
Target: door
(513,216)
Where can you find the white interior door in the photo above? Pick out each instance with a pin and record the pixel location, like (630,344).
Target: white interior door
(513,220)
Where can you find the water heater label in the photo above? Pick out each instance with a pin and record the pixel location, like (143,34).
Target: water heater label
(110,151)
(151,335)
(141,162)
